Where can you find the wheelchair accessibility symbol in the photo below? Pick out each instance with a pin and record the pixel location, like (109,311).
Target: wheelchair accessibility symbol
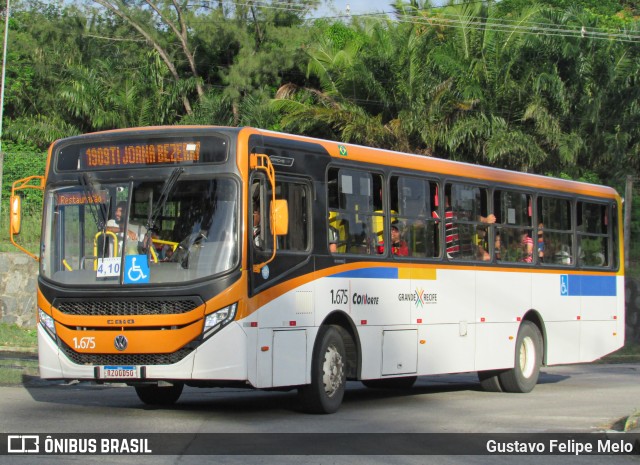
(136,269)
(564,284)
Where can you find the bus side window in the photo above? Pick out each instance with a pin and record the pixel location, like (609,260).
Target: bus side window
(514,226)
(555,244)
(355,198)
(412,200)
(593,234)
(467,222)
(297,195)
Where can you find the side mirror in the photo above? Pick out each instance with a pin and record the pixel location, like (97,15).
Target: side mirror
(280,217)
(15,214)
(15,204)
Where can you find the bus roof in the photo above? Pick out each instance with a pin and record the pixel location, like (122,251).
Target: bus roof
(453,168)
(427,164)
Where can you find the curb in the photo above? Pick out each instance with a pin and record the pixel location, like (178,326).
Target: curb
(632,425)
(31,351)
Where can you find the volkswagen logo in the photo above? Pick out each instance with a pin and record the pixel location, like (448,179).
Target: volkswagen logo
(120,342)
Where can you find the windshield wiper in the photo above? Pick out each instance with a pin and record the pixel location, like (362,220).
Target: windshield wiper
(163,197)
(90,194)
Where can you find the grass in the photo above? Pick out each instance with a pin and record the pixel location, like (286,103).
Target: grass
(13,336)
(628,353)
(14,369)
(12,372)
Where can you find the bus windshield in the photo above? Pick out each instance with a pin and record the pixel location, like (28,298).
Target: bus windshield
(145,232)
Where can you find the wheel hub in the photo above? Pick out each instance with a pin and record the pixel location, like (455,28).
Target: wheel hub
(527,357)
(332,371)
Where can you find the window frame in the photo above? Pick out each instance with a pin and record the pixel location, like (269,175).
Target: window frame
(608,234)
(429,182)
(486,189)
(307,184)
(365,247)
(570,232)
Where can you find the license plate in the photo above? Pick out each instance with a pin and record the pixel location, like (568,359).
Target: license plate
(119,371)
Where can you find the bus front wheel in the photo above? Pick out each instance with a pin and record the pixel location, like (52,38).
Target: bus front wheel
(528,357)
(328,373)
(160,395)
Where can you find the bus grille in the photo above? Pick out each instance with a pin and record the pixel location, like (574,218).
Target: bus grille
(123,359)
(126,307)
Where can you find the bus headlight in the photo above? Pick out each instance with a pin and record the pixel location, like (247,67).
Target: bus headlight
(47,323)
(219,319)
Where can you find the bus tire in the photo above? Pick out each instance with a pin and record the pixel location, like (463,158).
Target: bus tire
(159,395)
(528,357)
(328,373)
(404,382)
(490,380)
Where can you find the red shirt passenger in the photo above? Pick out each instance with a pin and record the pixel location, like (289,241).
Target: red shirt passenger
(398,246)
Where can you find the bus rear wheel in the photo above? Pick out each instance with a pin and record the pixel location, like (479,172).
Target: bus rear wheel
(528,357)
(159,395)
(328,373)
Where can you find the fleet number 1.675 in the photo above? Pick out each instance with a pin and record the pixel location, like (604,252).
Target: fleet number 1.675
(84,342)
(339,297)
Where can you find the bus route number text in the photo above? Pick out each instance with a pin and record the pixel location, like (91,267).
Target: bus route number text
(339,297)
(108,267)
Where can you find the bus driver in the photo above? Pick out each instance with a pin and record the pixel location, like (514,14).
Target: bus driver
(135,232)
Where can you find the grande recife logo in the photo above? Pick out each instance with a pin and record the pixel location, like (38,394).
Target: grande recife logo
(419,297)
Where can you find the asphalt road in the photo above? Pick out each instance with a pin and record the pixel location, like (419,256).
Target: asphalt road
(569,399)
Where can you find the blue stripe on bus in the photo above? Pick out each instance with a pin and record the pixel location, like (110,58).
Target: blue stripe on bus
(588,286)
(377,272)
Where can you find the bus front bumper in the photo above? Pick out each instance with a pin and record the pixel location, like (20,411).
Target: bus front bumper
(223,357)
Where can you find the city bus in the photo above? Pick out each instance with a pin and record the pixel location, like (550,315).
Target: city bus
(224,257)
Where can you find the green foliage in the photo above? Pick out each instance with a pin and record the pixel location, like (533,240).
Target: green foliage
(21,161)
(342,35)
(584,175)
(608,8)
(14,336)
(443,80)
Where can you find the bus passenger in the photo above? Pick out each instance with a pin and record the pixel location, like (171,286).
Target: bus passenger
(497,246)
(257,238)
(116,224)
(333,239)
(489,219)
(482,244)
(527,247)
(163,251)
(136,234)
(399,247)
(540,243)
(452,239)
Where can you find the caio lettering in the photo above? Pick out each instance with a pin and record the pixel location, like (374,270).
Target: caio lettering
(121,322)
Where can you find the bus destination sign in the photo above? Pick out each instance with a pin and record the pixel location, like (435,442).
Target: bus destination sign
(81,198)
(114,156)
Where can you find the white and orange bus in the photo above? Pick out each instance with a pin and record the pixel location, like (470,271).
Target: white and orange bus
(211,256)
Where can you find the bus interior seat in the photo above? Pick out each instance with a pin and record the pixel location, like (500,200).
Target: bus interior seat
(342,226)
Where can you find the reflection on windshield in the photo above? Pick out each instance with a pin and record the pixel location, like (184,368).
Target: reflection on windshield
(155,232)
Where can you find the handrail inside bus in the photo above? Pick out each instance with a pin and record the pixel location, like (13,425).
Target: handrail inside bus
(95,245)
(260,161)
